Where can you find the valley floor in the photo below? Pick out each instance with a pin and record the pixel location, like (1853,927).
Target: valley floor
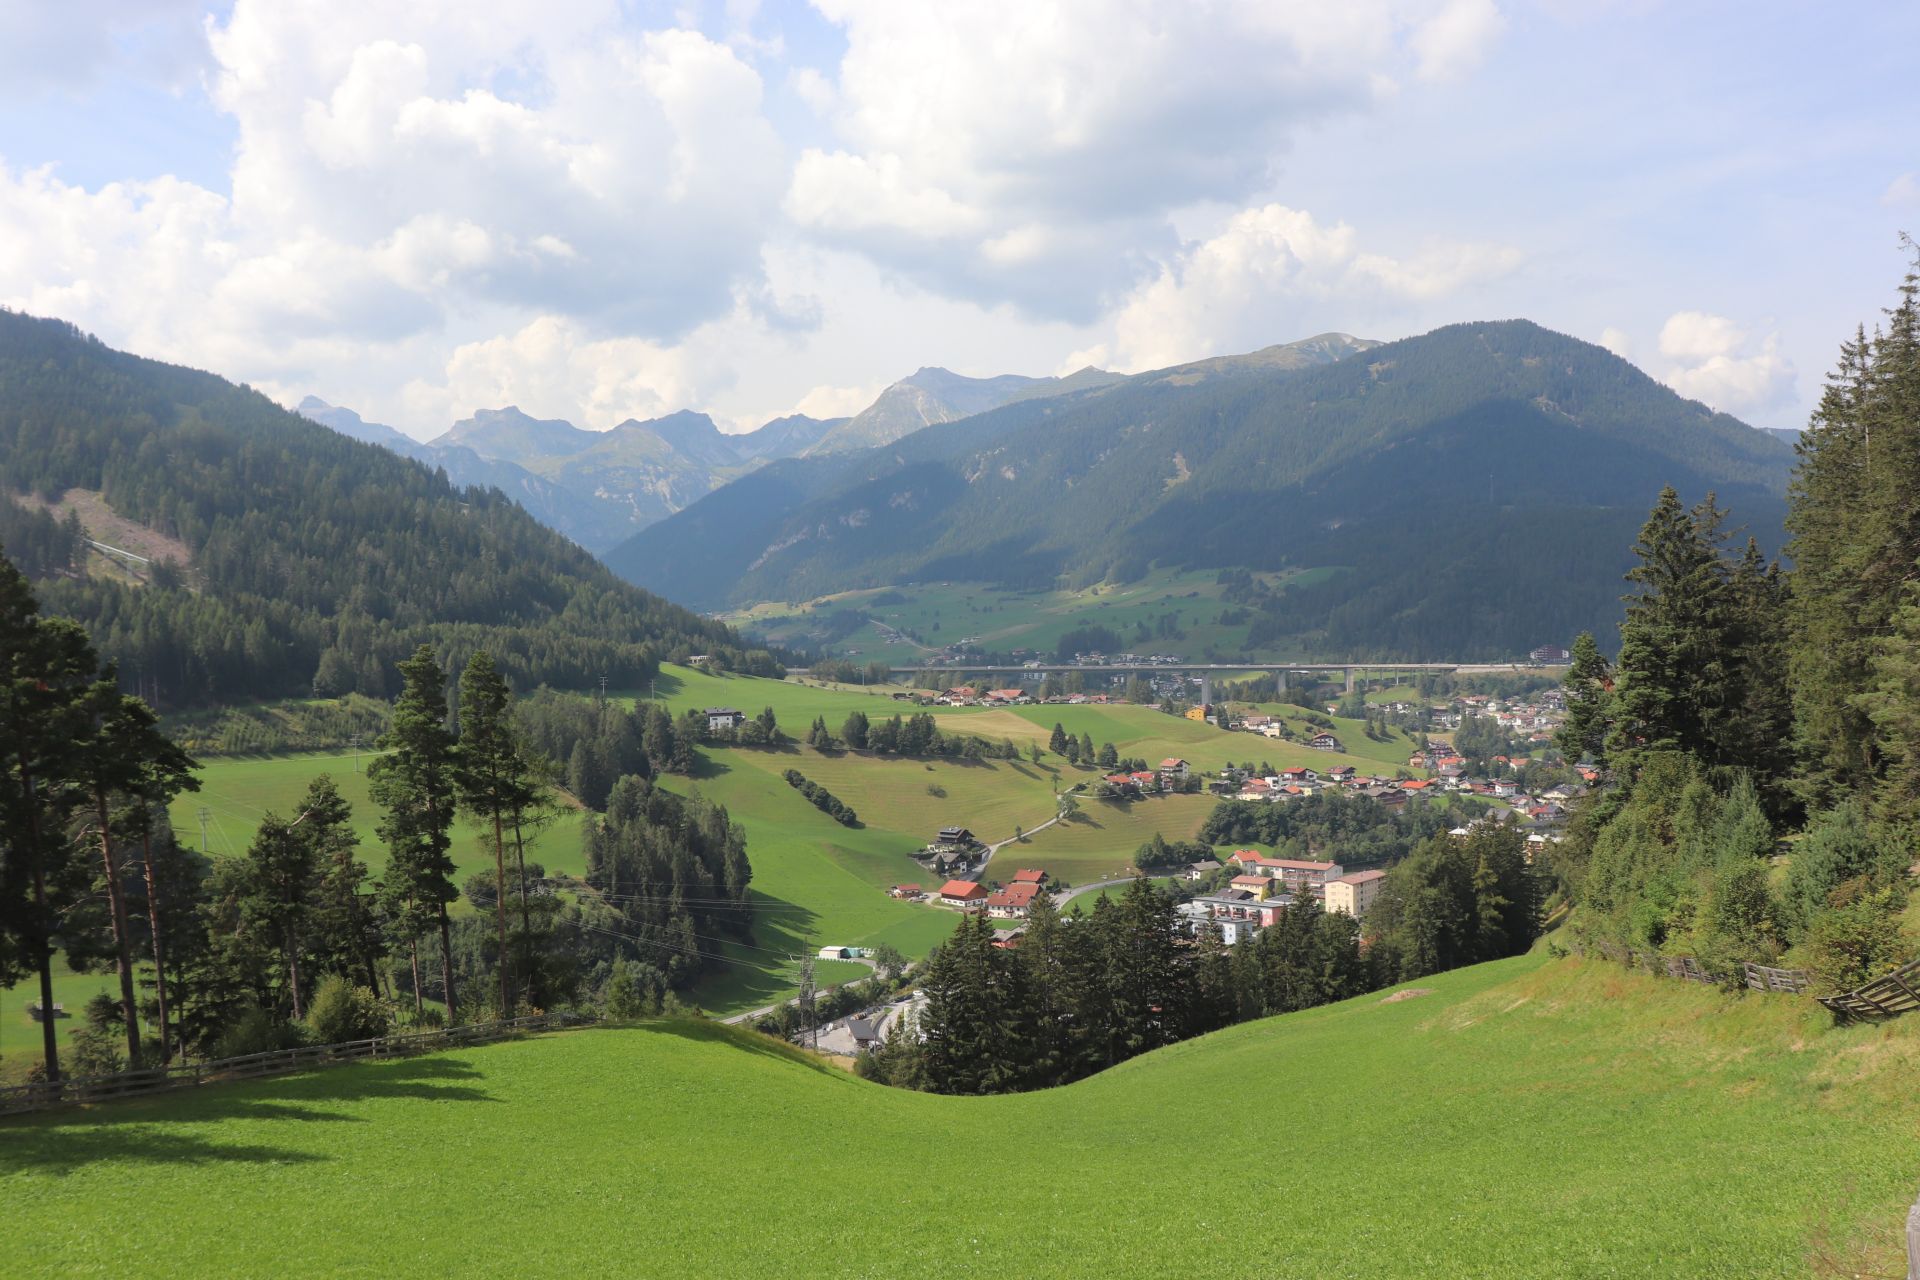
(1528,1118)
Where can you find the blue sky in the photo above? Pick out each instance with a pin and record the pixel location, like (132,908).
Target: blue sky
(599,210)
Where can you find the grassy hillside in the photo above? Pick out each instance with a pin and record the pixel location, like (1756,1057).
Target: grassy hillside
(1526,1119)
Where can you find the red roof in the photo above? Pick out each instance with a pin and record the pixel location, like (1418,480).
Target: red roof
(1015,895)
(1253,858)
(1258,880)
(966,890)
(1028,875)
(1173,762)
(1295,864)
(1416,784)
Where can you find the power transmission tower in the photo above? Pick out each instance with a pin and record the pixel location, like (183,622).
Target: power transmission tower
(808,1031)
(603,688)
(205,813)
(356,753)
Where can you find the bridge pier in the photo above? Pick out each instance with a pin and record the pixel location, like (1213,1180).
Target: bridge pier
(1349,679)
(1280,678)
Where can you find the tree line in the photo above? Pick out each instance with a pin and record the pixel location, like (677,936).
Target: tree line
(297,938)
(1748,702)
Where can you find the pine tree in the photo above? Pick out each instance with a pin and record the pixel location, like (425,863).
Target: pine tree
(1588,684)
(47,667)
(1057,740)
(413,782)
(493,779)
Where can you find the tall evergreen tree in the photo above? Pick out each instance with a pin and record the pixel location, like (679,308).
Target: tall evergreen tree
(414,783)
(1589,686)
(493,778)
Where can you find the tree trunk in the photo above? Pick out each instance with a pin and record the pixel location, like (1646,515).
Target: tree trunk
(117,908)
(159,949)
(526,929)
(446,964)
(49,1032)
(500,910)
(293,971)
(419,1009)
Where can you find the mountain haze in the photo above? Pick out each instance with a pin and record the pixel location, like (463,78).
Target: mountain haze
(1476,488)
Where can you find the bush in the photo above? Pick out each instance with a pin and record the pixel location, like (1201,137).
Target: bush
(343,1012)
(1856,942)
(256,1031)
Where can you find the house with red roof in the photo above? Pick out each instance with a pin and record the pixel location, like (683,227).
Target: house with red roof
(1029,875)
(1174,767)
(1012,902)
(965,894)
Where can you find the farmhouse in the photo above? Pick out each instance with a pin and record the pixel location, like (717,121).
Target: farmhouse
(1324,742)
(1029,875)
(904,891)
(1353,894)
(723,718)
(966,894)
(1012,902)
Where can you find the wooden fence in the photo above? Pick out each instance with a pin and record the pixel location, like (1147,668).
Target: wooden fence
(128,1084)
(1885,996)
(1756,977)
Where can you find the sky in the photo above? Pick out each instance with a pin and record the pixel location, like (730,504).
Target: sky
(604,209)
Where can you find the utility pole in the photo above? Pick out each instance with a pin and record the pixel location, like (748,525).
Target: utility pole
(205,813)
(356,753)
(603,688)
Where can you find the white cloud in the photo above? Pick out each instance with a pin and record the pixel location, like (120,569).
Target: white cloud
(1902,192)
(1717,362)
(420,171)
(837,402)
(1455,40)
(1080,126)
(1617,341)
(1270,271)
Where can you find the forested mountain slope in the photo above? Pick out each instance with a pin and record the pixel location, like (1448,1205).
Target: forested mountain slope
(315,561)
(1476,486)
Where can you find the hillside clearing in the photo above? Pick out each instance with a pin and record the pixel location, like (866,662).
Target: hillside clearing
(1527,1118)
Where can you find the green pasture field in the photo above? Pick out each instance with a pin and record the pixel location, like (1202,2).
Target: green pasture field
(1528,1118)
(1389,756)
(20,1044)
(1102,837)
(239,791)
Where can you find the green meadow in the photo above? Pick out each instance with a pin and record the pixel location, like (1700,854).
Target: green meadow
(1528,1118)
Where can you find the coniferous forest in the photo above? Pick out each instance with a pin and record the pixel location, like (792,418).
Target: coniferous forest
(316,564)
(1760,714)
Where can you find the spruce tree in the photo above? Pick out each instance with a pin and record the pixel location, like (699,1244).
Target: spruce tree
(414,783)
(494,780)
(1589,684)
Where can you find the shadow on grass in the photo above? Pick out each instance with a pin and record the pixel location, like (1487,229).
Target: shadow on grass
(63,1142)
(742,1039)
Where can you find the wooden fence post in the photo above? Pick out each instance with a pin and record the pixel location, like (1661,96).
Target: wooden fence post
(1913,1241)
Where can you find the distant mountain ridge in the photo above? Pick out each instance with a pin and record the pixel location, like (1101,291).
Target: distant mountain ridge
(596,487)
(1476,490)
(930,396)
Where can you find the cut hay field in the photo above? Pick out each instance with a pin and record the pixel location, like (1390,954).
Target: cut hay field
(1102,837)
(1528,1118)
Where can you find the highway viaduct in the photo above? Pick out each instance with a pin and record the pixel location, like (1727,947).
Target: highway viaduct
(1280,669)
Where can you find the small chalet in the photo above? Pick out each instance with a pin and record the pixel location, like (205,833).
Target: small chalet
(949,839)
(1324,742)
(965,894)
(723,718)
(1201,870)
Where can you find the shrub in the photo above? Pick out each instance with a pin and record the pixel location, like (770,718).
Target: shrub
(255,1031)
(342,1012)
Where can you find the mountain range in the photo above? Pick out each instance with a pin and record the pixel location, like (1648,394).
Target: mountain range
(601,487)
(1470,492)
